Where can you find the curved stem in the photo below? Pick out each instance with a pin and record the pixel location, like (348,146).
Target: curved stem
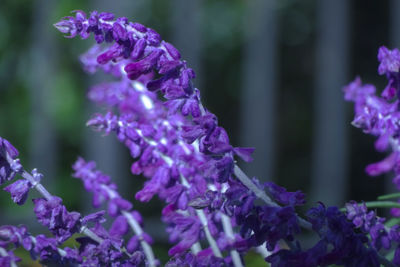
(382,204)
(226,224)
(37,185)
(135,226)
(204,222)
(89,233)
(138,231)
(196,248)
(210,238)
(389,196)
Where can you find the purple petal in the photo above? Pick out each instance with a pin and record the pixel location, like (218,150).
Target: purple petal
(19,191)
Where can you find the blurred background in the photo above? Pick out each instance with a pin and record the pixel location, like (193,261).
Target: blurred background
(272,71)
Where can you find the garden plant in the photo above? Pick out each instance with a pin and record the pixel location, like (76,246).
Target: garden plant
(214,213)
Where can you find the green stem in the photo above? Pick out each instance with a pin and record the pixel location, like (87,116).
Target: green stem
(379,204)
(389,196)
(382,204)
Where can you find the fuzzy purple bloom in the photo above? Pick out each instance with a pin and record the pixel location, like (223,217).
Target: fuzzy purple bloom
(19,191)
(389,60)
(284,197)
(54,215)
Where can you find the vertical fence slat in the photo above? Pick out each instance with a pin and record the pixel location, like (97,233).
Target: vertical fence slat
(185,21)
(258,88)
(43,58)
(329,169)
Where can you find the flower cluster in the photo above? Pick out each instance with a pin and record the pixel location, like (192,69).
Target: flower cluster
(99,247)
(214,213)
(104,190)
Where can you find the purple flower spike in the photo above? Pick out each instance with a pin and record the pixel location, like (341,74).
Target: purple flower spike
(19,191)
(104,190)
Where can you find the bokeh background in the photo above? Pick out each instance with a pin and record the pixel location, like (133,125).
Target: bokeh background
(272,71)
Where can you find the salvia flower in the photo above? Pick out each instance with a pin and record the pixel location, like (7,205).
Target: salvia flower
(188,161)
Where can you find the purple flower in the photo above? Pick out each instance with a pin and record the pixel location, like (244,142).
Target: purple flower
(185,228)
(383,166)
(119,227)
(54,215)
(42,247)
(8,259)
(359,215)
(389,60)
(19,190)
(348,247)
(370,224)
(282,196)
(9,165)
(104,190)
